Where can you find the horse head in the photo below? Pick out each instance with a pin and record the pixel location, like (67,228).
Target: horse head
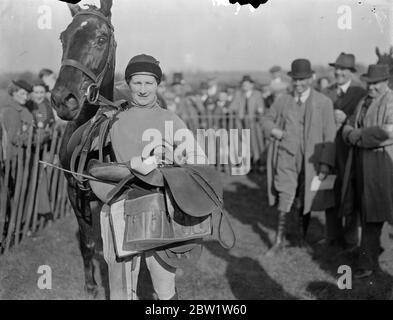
(88,61)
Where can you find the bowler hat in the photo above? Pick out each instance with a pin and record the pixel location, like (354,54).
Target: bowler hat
(247,78)
(23,84)
(300,69)
(143,64)
(376,73)
(345,61)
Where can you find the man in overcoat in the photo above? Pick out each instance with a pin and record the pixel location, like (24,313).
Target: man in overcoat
(249,105)
(302,127)
(369,132)
(345,94)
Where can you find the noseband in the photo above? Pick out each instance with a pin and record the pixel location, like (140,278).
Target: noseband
(92,94)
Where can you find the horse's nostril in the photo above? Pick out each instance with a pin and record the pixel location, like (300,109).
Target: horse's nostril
(71,101)
(69,97)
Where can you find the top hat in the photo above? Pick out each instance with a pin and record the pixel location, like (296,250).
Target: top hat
(345,61)
(23,84)
(376,73)
(300,69)
(247,78)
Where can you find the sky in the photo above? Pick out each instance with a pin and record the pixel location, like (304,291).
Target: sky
(207,35)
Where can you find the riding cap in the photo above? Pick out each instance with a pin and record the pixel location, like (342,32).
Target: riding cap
(143,64)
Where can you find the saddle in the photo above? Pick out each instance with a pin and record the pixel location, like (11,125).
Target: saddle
(192,194)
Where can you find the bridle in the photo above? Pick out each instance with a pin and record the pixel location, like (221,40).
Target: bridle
(92,94)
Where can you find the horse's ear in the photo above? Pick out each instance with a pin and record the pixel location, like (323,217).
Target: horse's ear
(106,6)
(377,52)
(74,8)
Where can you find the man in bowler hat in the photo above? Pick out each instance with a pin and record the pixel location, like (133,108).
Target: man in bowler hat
(369,132)
(345,94)
(301,125)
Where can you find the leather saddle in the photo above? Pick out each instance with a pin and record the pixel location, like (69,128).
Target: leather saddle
(194,189)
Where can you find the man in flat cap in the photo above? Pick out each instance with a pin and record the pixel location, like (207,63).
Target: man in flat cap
(345,94)
(301,125)
(369,132)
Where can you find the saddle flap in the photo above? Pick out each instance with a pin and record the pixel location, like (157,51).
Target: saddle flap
(197,190)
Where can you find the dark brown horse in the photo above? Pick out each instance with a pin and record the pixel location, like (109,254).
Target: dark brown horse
(386,58)
(86,74)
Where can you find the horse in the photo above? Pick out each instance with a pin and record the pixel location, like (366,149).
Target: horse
(386,58)
(86,77)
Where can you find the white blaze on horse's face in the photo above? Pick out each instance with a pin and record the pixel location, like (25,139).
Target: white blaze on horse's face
(143,89)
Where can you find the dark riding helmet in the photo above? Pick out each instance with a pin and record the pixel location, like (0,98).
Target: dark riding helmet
(143,64)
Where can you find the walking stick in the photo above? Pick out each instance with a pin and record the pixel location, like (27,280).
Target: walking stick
(346,179)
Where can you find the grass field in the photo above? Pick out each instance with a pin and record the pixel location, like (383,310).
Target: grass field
(240,273)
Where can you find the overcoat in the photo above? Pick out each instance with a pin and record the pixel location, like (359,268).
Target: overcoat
(255,103)
(376,152)
(319,145)
(256,108)
(16,120)
(346,103)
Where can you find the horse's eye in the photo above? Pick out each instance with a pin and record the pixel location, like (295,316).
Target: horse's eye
(101,41)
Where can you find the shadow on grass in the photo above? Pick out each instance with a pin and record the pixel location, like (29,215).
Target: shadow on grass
(250,207)
(247,279)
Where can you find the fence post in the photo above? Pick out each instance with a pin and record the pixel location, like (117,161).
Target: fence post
(18,185)
(26,171)
(33,184)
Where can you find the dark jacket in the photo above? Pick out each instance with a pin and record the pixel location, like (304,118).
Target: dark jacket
(346,103)
(376,158)
(16,120)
